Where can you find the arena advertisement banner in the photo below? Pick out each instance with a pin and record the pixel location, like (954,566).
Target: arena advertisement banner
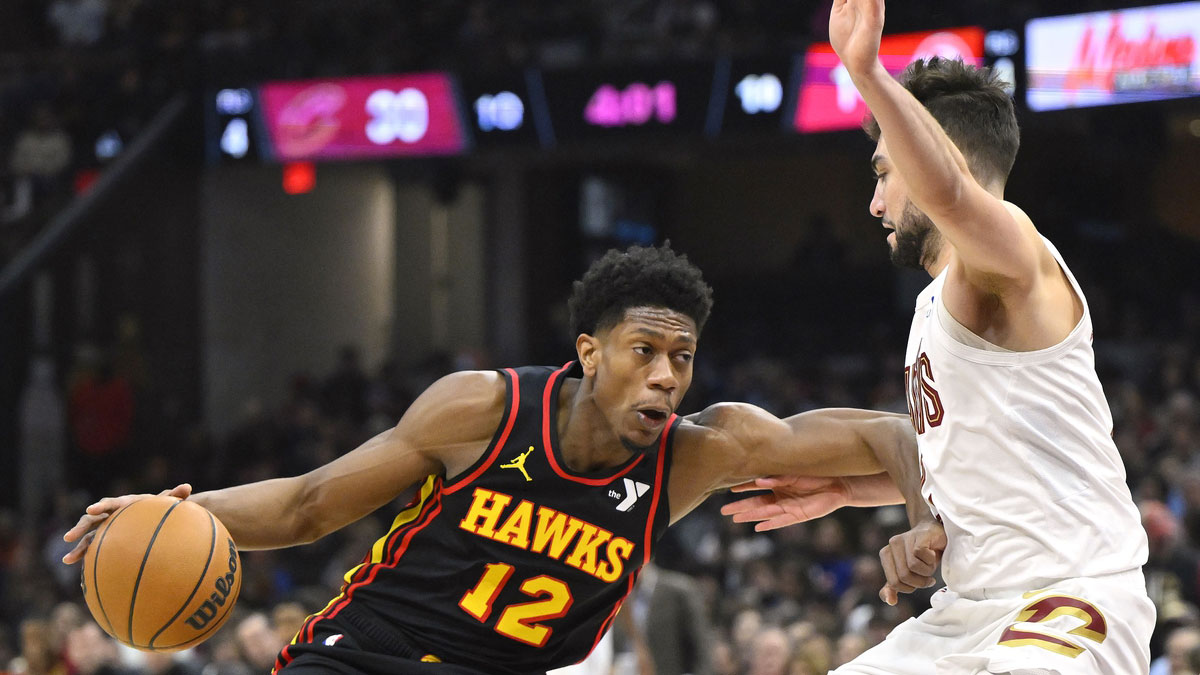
(1105,58)
(828,100)
(364,117)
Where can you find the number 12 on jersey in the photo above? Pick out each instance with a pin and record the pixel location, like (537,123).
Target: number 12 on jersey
(519,621)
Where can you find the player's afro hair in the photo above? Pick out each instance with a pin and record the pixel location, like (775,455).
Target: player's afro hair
(638,277)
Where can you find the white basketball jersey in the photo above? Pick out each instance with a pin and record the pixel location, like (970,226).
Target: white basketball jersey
(1017,457)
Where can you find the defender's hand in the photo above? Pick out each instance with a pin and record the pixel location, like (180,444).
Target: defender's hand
(855,29)
(911,559)
(793,499)
(85,529)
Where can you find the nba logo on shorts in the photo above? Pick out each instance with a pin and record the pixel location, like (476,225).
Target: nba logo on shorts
(333,639)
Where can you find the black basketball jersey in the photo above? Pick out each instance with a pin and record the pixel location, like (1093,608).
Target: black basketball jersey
(517,565)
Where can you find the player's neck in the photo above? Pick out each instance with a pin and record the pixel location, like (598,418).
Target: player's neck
(585,439)
(939,262)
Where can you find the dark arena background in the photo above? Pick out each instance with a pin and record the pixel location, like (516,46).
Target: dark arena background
(238,237)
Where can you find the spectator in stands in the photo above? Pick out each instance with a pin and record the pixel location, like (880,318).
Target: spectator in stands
(772,652)
(161,663)
(101,411)
(89,651)
(813,651)
(668,610)
(258,642)
(42,150)
(1173,569)
(79,23)
(39,654)
(1181,644)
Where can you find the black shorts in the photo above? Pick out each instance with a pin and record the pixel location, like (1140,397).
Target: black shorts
(337,647)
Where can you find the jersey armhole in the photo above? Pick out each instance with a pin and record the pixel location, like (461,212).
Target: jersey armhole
(512,404)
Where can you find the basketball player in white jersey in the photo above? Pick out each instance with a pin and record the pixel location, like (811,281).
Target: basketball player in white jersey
(1042,542)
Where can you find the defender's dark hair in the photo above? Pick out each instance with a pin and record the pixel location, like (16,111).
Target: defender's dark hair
(638,277)
(972,106)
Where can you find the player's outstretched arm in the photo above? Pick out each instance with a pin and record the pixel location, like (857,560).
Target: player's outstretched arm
(998,246)
(789,500)
(443,431)
(733,443)
(849,448)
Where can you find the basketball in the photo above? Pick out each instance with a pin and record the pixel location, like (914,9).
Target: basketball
(161,574)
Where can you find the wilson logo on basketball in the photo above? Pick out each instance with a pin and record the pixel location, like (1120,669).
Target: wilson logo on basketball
(925,407)
(222,588)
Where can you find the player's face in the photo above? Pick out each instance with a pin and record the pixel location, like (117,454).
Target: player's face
(643,371)
(914,239)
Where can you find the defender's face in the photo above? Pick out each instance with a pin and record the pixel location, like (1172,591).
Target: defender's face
(913,236)
(644,368)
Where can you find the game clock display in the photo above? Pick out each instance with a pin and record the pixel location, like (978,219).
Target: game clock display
(629,102)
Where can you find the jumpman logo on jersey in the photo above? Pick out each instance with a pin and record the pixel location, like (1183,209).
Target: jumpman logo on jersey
(519,463)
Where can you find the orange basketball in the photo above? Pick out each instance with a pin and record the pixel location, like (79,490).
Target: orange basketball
(161,574)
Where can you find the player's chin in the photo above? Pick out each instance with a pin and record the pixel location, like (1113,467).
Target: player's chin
(641,442)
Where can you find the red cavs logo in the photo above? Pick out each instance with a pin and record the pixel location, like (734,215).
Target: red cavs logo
(924,404)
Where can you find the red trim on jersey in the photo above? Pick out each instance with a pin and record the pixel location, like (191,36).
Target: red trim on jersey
(395,560)
(658,479)
(409,530)
(508,425)
(613,614)
(548,447)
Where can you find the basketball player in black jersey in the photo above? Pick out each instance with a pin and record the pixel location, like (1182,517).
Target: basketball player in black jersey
(542,491)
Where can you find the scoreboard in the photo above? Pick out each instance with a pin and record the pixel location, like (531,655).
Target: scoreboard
(728,99)
(447,114)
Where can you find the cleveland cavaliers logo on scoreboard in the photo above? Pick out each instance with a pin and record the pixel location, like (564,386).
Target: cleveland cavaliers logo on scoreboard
(924,404)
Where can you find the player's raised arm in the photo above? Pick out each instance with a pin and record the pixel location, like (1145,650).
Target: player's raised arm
(998,248)
(444,431)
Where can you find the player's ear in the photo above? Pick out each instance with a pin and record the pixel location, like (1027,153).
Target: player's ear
(588,349)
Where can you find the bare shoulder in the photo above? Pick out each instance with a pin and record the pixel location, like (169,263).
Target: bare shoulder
(458,408)
(1018,213)
(720,437)
(730,423)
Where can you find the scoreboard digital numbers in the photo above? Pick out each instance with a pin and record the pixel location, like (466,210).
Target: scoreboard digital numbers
(350,118)
(768,96)
(755,93)
(629,102)
(229,121)
(507,109)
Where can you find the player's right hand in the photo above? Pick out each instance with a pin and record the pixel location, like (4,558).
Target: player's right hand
(855,30)
(911,559)
(793,499)
(85,529)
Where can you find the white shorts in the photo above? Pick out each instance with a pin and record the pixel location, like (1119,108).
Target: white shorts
(1086,626)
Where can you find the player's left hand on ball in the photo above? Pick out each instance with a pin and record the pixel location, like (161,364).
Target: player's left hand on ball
(793,499)
(911,559)
(97,513)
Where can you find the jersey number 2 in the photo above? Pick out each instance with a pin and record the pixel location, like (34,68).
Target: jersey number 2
(519,621)
(1094,627)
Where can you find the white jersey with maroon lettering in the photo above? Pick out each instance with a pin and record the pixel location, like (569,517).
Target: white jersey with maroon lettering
(1017,458)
